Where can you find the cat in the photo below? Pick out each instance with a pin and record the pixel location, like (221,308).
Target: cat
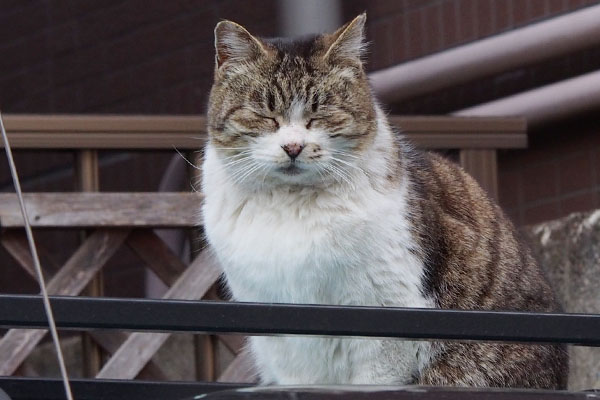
(311,197)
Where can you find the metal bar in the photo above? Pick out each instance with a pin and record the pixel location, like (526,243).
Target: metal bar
(270,319)
(49,389)
(542,105)
(409,392)
(553,37)
(102,389)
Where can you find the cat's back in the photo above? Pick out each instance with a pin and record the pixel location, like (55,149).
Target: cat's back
(477,259)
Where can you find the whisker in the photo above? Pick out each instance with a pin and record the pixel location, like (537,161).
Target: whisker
(240,154)
(240,170)
(344,153)
(266,169)
(337,172)
(186,160)
(234,161)
(357,168)
(343,174)
(248,173)
(234,148)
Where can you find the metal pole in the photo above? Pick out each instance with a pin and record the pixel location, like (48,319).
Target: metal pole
(533,43)
(309,16)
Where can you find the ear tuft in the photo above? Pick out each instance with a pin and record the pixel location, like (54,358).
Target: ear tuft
(349,41)
(233,43)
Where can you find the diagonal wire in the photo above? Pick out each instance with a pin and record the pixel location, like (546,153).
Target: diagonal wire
(36,262)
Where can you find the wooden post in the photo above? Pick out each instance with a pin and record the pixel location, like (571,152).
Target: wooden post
(204,345)
(88,181)
(482,165)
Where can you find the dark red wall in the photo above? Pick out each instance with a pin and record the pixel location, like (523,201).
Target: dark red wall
(134,56)
(402,30)
(155,56)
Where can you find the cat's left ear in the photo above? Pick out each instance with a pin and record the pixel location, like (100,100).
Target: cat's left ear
(234,44)
(348,42)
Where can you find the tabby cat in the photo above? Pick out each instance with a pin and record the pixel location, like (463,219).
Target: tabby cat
(312,198)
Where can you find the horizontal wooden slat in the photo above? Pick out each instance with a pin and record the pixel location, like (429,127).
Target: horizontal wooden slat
(118,140)
(189,132)
(435,123)
(103,123)
(471,140)
(83,210)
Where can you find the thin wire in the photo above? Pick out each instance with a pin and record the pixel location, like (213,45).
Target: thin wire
(36,262)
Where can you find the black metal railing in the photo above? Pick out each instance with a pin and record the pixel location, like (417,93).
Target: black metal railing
(85,313)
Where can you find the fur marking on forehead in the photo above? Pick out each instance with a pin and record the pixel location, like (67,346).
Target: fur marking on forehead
(296,110)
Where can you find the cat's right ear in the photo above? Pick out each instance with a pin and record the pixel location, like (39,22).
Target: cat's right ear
(233,43)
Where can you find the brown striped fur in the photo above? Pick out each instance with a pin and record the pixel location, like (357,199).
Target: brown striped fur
(476,262)
(253,97)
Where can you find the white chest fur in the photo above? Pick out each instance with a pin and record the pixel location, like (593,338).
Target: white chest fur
(318,248)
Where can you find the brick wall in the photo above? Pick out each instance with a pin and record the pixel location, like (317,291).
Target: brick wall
(559,173)
(142,56)
(106,56)
(401,30)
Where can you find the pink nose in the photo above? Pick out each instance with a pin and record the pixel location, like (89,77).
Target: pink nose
(292,149)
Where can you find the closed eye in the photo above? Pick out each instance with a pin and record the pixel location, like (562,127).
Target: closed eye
(269,118)
(311,121)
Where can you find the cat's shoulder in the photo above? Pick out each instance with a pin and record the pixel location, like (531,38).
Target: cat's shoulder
(447,189)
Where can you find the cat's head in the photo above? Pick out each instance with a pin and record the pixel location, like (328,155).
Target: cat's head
(291,111)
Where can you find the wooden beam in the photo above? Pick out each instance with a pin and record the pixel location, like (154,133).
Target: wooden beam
(157,255)
(88,180)
(139,347)
(70,280)
(437,123)
(111,341)
(103,123)
(16,244)
(240,370)
(189,132)
(233,342)
(89,210)
(483,166)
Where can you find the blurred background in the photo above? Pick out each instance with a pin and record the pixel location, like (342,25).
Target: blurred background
(156,57)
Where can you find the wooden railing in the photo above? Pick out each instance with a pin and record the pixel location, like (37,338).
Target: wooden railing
(110,220)
(477,139)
